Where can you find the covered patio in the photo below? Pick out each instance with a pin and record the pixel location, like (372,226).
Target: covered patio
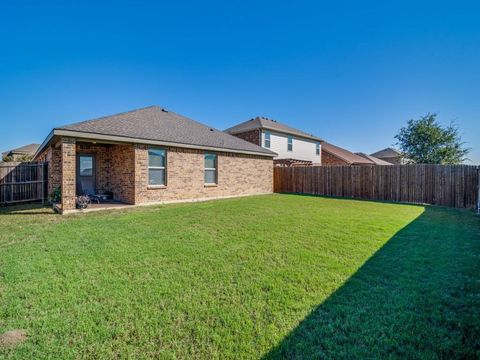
(101,170)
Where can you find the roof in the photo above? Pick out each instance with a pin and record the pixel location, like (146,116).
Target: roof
(24,150)
(155,125)
(373,159)
(269,124)
(344,154)
(387,153)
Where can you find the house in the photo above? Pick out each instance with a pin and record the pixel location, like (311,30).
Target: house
(21,153)
(293,146)
(152,155)
(390,155)
(373,159)
(335,155)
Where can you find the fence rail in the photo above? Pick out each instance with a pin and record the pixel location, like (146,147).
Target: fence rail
(447,185)
(23,182)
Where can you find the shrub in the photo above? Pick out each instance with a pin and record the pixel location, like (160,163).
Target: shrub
(56,195)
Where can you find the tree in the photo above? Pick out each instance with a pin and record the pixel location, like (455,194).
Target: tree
(20,158)
(426,141)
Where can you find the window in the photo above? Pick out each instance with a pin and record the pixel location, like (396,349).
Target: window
(86,165)
(210,168)
(267,139)
(317,148)
(290,143)
(157,166)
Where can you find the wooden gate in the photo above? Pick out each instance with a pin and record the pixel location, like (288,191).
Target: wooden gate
(23,182)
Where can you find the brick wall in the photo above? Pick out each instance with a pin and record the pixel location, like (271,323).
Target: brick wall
(103,159)
(252,136)
(52,156)
(329,159)
(122,172)
(237,175)
(68,151)
(123,169)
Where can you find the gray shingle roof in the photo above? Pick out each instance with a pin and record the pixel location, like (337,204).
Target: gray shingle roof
(387,153)
(264,123)
(26,149)
(157,124)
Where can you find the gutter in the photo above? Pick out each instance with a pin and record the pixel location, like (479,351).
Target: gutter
(124,139)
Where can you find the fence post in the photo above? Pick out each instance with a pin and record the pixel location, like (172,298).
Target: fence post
(478,190)
(42,184)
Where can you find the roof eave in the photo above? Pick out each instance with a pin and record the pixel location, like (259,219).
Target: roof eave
(44,144)
(117,138)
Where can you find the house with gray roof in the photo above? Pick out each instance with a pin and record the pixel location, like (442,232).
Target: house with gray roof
(293,146)
(390,155)
(152,155)
(23,152)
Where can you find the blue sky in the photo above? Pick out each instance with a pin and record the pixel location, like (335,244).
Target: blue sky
(351,72)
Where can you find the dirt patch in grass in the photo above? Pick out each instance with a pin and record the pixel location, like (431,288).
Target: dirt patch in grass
(12,338)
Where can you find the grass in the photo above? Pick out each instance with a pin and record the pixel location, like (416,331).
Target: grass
(277,276)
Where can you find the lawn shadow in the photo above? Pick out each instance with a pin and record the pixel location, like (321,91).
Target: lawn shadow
(418,296)
(36,208)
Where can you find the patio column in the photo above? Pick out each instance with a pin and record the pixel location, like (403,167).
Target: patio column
(68,173)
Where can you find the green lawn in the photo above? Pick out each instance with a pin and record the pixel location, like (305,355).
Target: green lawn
(276,276)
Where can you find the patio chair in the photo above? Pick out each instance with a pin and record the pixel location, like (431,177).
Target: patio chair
(86,189)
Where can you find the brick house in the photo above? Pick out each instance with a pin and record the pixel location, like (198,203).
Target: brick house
(152,155)
(335,155)
(293,146)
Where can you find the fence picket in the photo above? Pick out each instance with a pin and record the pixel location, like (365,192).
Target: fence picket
(22,182)
(448,185)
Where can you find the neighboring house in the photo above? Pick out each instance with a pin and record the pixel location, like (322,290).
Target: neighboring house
(335,155)
(152,155)
(293,146)
(373,159)
(20,153)
(390,155)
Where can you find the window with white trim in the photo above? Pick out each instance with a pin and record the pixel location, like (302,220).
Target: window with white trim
(157,166)
(317,148)
(290,143)
(267,139)
(211,165)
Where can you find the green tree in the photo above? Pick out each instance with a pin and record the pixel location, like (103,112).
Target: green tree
(426,141)
(20,158)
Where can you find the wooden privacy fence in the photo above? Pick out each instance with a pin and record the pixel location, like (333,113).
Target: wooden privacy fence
(23,182)
(448,185)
